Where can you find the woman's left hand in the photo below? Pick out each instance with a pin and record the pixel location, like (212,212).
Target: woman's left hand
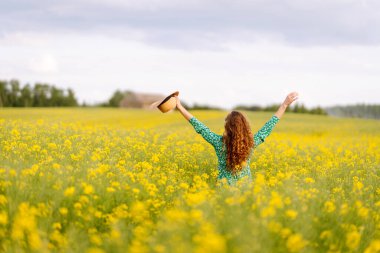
(290,98)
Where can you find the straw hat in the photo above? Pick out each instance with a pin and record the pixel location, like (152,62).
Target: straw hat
(168,103)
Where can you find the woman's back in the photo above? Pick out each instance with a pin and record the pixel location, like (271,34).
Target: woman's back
(217,142)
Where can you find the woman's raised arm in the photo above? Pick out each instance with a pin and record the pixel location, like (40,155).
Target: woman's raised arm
(288,101)
(199,127)
(183,110)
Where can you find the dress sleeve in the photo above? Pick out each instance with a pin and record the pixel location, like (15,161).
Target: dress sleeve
(264,132)
(206,133)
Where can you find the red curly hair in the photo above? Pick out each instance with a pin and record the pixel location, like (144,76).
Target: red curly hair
(238,140)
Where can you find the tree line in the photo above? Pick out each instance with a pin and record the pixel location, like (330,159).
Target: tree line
(355,111)
(13,94)
(296,108)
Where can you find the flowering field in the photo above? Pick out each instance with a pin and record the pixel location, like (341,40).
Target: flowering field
(110,180)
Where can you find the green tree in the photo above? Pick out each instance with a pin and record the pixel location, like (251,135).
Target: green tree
(3,93)
(14,94)
(57,97)
(40,97)
(26,96)
(116,98)
(70,98)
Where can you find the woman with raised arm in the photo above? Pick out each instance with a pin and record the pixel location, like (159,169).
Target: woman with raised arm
(235,147)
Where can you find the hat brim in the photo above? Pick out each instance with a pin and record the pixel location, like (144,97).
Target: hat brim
(168,97)
(165,105)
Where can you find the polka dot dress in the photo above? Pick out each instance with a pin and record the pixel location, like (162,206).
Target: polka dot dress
(216,141)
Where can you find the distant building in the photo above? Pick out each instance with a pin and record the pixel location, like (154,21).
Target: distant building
(140,100)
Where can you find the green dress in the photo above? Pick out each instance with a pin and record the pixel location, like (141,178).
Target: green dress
(216,141)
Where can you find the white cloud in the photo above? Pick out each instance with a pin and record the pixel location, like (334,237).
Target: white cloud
(45,64)
(197,24)
(249,73)
(215,52)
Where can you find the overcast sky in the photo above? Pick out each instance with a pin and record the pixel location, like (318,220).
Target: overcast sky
(221,53)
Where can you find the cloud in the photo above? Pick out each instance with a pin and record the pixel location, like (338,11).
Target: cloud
(45,64)
(197,24)
(215,52)
(259,73)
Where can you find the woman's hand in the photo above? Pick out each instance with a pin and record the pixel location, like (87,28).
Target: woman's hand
(178,102)
(290,98)
(288,101)
(182,109)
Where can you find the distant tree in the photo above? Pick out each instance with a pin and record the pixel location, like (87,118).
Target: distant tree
(26,96)
(14,93)
(296,108)
(356,111)
(204,107)
(318,110)
(116,98)
(253,108)
(40,95)
(3,93)
(57,97)
(271,108)
(70,99)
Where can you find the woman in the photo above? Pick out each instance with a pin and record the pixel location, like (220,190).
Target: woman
(235,147)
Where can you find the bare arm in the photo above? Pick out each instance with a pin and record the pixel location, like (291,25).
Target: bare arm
(288,100)
(182,109)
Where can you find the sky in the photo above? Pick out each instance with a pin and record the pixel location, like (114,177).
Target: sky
(220,53)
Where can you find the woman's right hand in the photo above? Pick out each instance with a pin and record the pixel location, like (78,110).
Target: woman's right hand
(290,98)
(178,102)
(182,109)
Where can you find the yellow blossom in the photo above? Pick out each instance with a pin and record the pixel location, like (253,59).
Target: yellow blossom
(295,243)
(353,239)
(69,191)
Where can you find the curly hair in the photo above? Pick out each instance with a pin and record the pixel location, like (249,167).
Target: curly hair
(238,140)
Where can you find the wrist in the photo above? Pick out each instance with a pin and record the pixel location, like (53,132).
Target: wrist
(283,105)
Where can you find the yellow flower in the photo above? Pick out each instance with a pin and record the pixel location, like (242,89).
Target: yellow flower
(69,191)
(353,240)
(77,205)
(96,239)
(209,241)
(357,185)
(285,232)
(110,189)
(363,212)
(184,186)
(3,218)
(274,226)
(195,198)
(325,234)
(57,225)
(67,144)
(344,209)
(268,212)
(276,200)
(329,206)
(3,200)
(88,189)
(374,247)
(95,250)
(292,214)
(63,210)
(34,240)
(295,243)
(56,166)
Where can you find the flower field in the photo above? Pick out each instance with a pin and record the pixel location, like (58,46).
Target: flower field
(112,180)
